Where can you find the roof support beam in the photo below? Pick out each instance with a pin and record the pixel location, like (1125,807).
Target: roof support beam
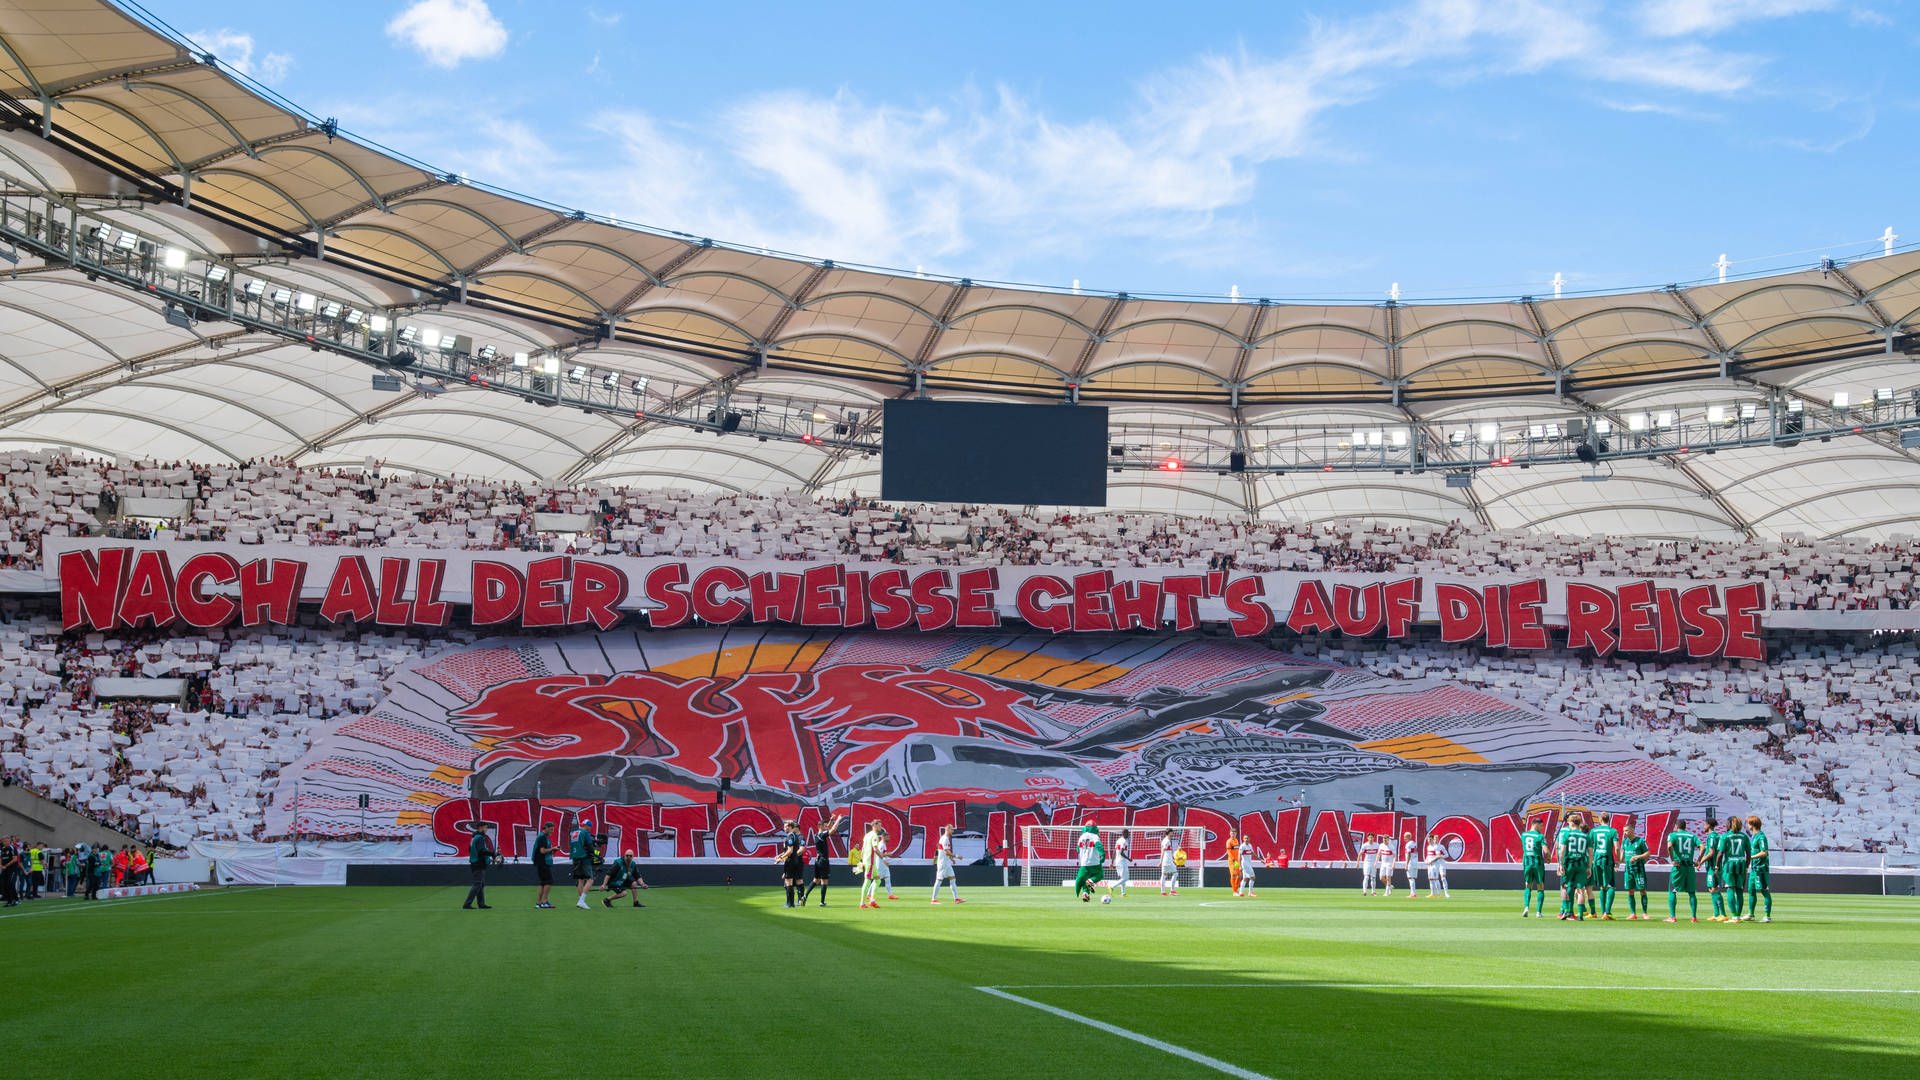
(1100,331)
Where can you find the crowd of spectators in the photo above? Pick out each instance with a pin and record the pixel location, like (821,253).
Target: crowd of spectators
(48,493)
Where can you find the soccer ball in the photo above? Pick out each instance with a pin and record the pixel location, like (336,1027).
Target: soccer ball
(1106,899)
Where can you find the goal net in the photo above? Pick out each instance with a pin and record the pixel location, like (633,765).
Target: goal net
(1049,854)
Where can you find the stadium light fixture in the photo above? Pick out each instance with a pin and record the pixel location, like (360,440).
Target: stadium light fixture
(1716,414)
(1841,399)
(173,258)
(640,384)
(487,353)
(280,297)
(1399,437)
(1457,437)
(1884,395)
(1603,426)
(126,241)
(1748,410)
(520,360)
(429,337)
(217,273)
(578,373)
(330,309)
(305,302)
(612,380)
(550,365)
(255,289)
(375,323)
(1489,433)
(1637,422)
(1663,420)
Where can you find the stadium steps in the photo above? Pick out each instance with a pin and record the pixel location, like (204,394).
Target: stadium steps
(41,820)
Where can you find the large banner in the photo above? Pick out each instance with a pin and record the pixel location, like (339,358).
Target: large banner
(698,743)
(105,584)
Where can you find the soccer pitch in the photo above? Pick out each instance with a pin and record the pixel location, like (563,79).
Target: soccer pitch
(1017,983)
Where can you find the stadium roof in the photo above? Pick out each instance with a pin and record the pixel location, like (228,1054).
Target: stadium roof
(121,124)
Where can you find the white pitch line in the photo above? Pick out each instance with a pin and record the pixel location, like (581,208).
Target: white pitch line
(1443,986)
(1145,1040)
(102,905)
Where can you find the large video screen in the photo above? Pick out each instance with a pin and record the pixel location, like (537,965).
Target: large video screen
(969,452)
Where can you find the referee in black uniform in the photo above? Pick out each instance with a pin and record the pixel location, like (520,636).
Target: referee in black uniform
(480,852)
(792,860)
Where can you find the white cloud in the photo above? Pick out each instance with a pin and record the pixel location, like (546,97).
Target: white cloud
(235,49)
(983,180)
(447,32)
(1678,18)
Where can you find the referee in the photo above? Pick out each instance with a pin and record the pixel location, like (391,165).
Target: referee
(480,852)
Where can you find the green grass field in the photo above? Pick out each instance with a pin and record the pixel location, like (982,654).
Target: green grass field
(727,982)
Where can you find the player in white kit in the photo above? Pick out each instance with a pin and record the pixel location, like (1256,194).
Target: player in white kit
(943,872)
(1249,858)
(1386,864)
(1122,852)
(1169,870)
(1410,851)
(886,865)
(1437,869)
(1369,863)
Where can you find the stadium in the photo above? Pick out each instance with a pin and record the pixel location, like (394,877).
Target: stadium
(376,539)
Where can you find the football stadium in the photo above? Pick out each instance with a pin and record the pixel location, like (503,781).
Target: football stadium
(817,667)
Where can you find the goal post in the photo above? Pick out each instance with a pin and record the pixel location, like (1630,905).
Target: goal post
(1049,854)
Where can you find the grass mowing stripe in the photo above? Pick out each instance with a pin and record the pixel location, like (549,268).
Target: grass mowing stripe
(1145,1040)
(1448,986)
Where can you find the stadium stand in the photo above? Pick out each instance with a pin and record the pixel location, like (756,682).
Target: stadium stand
(204,768)
(50,493)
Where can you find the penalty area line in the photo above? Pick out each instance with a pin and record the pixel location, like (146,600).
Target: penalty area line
(1145,1040)
(1431,986)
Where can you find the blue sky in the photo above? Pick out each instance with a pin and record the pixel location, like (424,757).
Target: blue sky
(1457,147)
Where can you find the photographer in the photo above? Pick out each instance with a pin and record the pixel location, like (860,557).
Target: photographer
(624,877)
(480,852)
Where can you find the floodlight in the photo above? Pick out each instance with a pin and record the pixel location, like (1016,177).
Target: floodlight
(216,273)
(173,259)
(519,359)
(1840,399)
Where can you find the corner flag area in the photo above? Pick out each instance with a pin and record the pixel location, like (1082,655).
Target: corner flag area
(713,982)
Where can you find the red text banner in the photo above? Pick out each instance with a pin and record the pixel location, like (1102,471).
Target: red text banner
(105,585)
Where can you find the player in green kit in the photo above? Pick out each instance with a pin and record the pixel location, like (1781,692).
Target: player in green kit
(1733,866)
(1533,872)
(1605,851)
(1710,841)
(1571,846)
(1683,848)
(1633,871)
(1759,878)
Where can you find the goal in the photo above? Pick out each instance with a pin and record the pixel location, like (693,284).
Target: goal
(1049,854)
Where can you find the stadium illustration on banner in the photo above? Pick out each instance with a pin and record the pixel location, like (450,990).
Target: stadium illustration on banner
(705,739)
